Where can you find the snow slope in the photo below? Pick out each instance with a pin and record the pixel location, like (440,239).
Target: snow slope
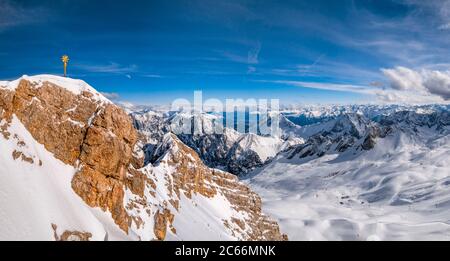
(36,195)
(202,200)
(33,197)
(197,218)
(399,190)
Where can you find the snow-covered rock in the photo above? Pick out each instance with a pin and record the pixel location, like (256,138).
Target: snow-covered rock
(75,86)
(228,149)
(72,168)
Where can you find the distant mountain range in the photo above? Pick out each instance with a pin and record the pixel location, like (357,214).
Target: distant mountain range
(340,172)
(76,166)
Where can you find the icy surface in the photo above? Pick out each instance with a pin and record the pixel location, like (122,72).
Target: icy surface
(399,190)
(74,85)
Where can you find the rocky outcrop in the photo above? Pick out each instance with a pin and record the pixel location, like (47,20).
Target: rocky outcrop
(348,132)
(69,235)
(163,220)
(54,116)
(95,136)
(106,154)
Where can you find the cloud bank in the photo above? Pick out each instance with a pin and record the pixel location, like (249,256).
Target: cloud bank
(403,85)
(424,82)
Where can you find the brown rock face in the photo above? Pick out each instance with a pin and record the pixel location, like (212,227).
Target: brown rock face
(106,153)
(55,117)
(6,98)
(162,221)
(80,131)
(108,145)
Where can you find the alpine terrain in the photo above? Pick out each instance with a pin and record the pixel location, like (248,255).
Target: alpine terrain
(362,172)
(73,167)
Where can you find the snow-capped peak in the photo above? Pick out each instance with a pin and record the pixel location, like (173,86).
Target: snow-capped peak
(75,86)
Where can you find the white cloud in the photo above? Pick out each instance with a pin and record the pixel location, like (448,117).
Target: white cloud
(327,86)
(438,83)
(12,14)
(237,58)
(251,59)
(111,95)
(403,79)
(439,9)
(424,82)
(253,54)
(108,68)
(152,76)
(405,97)
(251,69)
(406,86)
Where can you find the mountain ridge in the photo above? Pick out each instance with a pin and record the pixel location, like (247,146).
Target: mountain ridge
(97,150)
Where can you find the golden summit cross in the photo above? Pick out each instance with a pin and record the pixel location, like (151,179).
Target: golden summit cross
(65,60)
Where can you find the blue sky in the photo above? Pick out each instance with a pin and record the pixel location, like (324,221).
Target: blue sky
(151,52)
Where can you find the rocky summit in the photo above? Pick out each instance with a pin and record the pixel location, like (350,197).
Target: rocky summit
(74,162)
